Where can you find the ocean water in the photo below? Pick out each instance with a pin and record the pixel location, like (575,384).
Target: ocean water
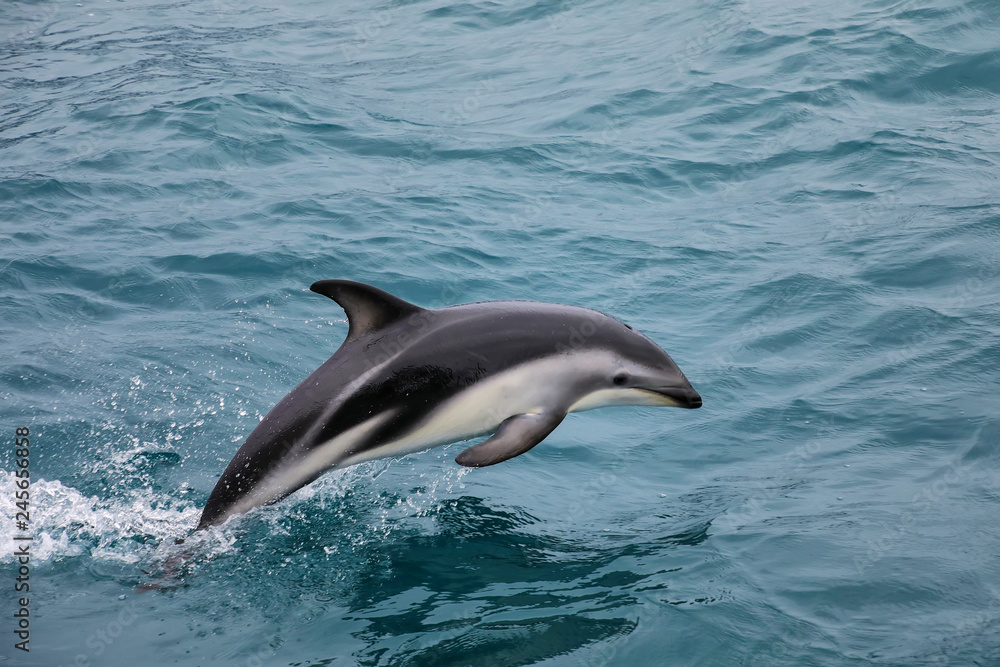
(800,203)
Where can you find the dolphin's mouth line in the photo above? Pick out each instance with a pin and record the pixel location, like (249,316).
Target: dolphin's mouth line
(682,397)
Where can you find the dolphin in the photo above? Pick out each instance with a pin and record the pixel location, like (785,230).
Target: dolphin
(408,378)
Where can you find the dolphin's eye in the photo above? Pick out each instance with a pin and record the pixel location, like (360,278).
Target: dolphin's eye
(620,379)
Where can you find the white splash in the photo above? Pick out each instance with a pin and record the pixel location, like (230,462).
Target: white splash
(64,522)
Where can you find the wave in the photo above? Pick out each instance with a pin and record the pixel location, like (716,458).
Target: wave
(65,522)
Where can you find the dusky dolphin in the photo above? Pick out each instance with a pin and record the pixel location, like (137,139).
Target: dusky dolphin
(408,378)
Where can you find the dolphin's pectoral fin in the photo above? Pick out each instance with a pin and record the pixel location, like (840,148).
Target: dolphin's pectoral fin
(515,436)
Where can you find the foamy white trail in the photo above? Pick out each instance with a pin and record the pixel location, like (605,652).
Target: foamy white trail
(143,525)
(65,522)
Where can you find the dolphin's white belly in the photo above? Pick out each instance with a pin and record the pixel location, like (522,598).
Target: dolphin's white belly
(479,409)
(476,410)
(531,388)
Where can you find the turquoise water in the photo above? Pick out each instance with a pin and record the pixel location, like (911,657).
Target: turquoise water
(801,204)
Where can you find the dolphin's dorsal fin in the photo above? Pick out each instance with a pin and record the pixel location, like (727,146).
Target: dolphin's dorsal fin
(368,308)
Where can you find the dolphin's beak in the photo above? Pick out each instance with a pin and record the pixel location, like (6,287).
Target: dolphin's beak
(682,397)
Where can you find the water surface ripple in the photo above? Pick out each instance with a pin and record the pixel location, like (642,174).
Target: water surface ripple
(799,203)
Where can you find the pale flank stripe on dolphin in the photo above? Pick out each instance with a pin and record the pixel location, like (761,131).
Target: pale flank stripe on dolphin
(319,459)
(346,391)
(524,389)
